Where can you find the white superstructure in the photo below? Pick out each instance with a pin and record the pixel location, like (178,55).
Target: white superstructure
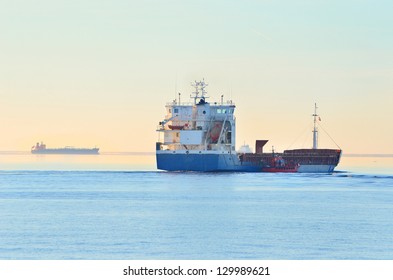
(198,125)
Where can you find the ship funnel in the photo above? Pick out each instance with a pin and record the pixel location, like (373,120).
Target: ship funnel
(259,146)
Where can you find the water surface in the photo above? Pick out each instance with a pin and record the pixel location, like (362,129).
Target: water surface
(120,207)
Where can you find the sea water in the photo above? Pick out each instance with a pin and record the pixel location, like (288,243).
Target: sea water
(118,206)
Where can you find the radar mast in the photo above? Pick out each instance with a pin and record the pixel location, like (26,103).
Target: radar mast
(315,131)
(200,91)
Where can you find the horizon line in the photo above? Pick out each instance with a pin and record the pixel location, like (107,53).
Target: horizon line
(153,153)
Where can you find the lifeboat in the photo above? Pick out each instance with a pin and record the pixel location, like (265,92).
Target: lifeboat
(215,132)
(176,127)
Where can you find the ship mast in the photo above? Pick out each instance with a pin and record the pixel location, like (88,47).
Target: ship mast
(199,89)
(315,131)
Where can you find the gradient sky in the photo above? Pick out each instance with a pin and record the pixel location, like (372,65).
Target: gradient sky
(98,73)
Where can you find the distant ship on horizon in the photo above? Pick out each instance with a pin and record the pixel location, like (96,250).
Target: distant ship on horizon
(41,149)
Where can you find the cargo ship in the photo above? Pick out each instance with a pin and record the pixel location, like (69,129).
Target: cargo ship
(200,136)
(42,149)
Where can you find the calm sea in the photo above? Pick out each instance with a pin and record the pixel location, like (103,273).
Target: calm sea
(117,206)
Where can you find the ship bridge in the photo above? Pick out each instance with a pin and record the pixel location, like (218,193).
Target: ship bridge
(198,125)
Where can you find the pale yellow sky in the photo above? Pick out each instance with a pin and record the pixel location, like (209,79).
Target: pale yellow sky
(98,73)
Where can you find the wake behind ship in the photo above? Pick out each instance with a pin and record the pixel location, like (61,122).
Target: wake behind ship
(42,149)
(200,136)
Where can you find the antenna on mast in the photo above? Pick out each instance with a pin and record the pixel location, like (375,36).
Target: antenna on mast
(196,92)
(315,131)
(176,88)
(199,89)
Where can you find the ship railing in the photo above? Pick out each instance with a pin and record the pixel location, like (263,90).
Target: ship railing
(225,103)
(174,146)
(188,118)
(187,124)
(179,104)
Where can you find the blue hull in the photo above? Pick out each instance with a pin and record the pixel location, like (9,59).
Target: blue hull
(203,163)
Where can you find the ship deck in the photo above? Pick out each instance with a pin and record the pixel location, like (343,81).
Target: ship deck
(298,156)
